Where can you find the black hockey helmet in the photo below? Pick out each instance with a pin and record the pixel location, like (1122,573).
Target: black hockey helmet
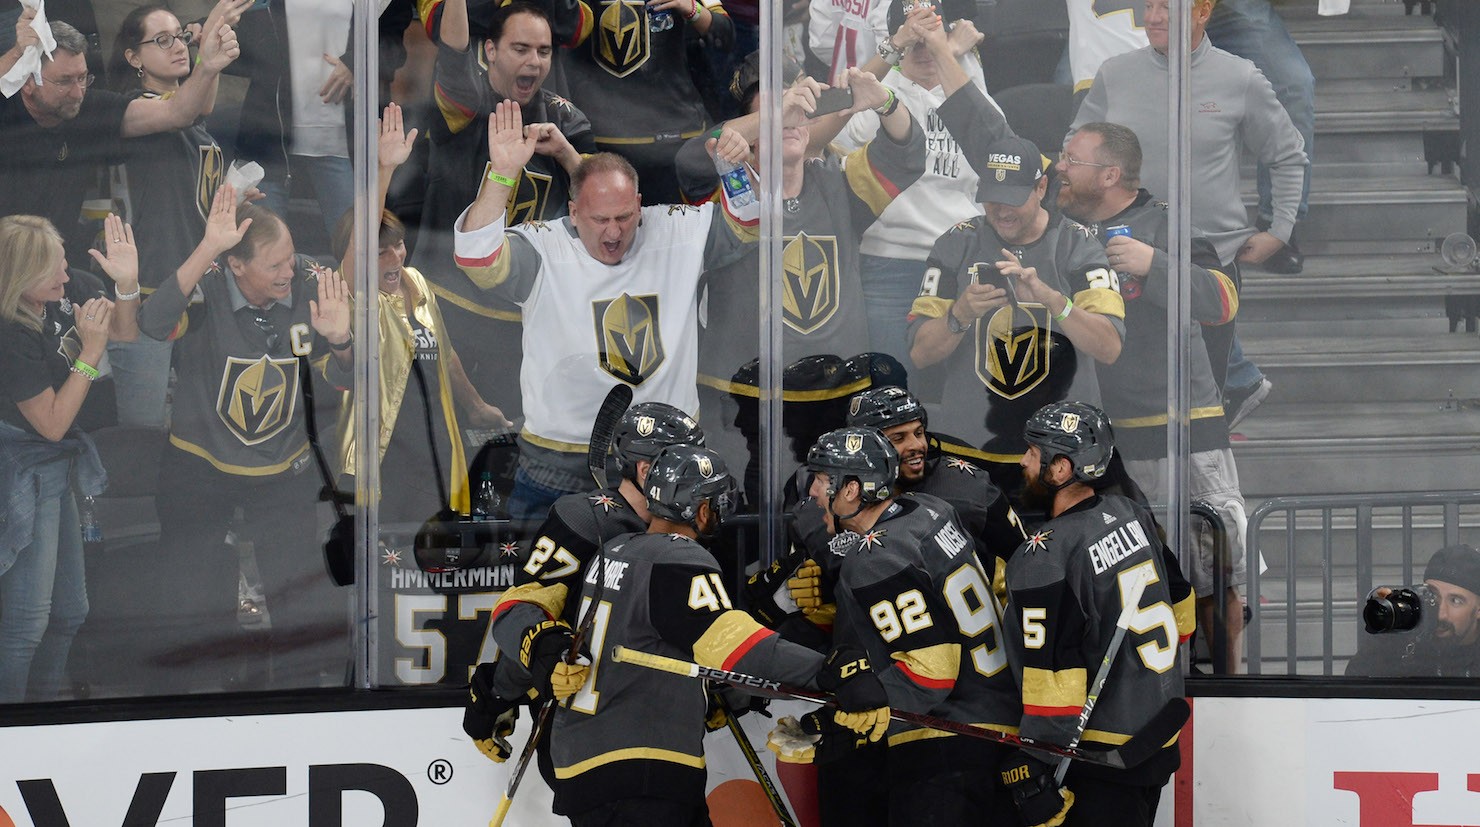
(886,407)
(682,477)
(649,427)
(862,454)
(1075,430)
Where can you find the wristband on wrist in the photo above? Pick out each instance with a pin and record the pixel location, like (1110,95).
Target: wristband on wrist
(344,345)
(953,324)
(502,179)
(693,10)
(891,53)
(84,370)
(126,297)
(889,105)
(1064,314)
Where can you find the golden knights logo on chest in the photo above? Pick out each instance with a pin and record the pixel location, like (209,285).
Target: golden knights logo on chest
(621,45)
(527,198)
(810,284)
(258,397)
(1012,349)
(212,173)
(629,339)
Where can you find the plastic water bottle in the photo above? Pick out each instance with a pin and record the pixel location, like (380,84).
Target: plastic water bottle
(735,179)
(486,500)
(659,20)
(92,531)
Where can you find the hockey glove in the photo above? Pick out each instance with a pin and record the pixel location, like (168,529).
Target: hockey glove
(738,701)
(543,652)
(805,586)
(863,705)
(792,743)
(1040,801)
(487,718)
(766,594)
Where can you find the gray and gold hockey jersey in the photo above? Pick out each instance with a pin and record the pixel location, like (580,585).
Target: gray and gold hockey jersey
(1066,584)
(635,732)
(913,594)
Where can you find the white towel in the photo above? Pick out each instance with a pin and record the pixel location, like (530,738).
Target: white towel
(1329,7)
(29,66)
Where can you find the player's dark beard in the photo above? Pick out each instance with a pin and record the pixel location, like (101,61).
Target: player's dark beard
(1036,495)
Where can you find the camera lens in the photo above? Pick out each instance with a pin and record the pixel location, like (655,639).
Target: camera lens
(1401,611)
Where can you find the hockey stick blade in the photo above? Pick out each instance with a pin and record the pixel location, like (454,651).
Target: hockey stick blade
(1155,733)
(607,416)
(1112,758)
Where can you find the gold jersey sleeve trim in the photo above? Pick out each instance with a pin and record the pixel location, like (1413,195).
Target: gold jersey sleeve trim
(1209,412)
(931,307)
(925,734)
(730,631)
(473,307)
(1102,301)
(549,598)
(630,754)
(1056,689)
(941,662)
(238,470)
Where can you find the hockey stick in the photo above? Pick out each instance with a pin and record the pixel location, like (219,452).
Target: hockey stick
(1130,605)
(773,795)
(1160,729)
(607,416)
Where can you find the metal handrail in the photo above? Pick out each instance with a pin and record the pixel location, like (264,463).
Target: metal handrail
(1363,507)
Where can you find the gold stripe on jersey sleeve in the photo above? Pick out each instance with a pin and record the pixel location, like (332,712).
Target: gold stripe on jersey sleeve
(549,598)
(941,662)
(630,754)
(931,307)
(454,114)
(728,632)
(976,453)
(1055,689)
(872,188)
(473,307)
(1101,736)
(925,733)
(751,391)
(748,233)
(999,581)
(1227,294)
(1186,613)
(1102,301)
(490,271)
(1209,412)
(238,470)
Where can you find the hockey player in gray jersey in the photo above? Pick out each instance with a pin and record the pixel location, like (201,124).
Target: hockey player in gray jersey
(914,595)
(628,749)
(548,572)
(1067,585)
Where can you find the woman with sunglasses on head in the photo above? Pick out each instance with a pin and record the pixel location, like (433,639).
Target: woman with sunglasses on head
(265,318)
(53,329)
(169,178)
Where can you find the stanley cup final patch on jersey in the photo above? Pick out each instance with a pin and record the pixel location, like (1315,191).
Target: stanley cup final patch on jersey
(258,397)
(1012,351)
(810,284)
(621,45)
(629,339)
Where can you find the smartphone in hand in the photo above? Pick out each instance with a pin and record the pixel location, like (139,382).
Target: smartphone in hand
(832,100)
(985,272)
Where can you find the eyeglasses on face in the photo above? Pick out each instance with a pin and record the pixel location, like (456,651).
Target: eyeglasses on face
(80,81)
(165,40)
(1072,161)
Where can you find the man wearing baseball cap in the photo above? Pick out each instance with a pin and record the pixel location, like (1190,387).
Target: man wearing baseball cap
(1016,307)
(1445,645)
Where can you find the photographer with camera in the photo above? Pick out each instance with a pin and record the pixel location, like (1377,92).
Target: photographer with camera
(1435,626)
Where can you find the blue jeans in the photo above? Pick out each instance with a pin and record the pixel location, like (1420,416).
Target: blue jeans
(890,286)
(529,500)
(1252,29)
(141,380)
(333,183)
(1242,373)
(43,597)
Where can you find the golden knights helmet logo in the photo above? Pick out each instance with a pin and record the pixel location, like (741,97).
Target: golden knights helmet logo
(706,467)
(629,339)
(645,425)
(809,282)
(1069,423)
(621,45)
(853,443)
(258,397)
(212,173)
(527,198)
(1012,350)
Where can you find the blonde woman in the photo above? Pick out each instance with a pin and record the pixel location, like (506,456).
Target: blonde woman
(53,329)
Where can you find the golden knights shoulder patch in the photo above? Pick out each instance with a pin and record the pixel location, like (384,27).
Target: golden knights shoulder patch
(258,397)
(629,339)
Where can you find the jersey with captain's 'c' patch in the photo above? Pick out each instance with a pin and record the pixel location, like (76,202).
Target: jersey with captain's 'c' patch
(548,573)
(588,324)
(1015,359)
(637,732)
(238,402)
(1067,585)
(914,595)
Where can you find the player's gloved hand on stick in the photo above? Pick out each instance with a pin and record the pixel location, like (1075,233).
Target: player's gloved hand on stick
(863,705)
(543,653)
(766,595)
(805,585)
(1040,801)
(487,718)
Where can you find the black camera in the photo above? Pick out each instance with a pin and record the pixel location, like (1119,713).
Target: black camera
(1405,609)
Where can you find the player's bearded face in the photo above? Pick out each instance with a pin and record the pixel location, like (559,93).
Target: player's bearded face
(1036,493)
(1458,608)
(606,215)
(909,441)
